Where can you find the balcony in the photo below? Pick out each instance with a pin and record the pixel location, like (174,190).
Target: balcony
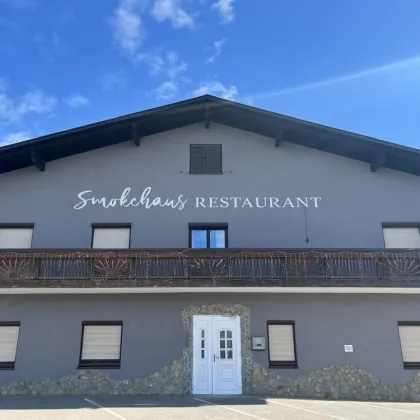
(209,268)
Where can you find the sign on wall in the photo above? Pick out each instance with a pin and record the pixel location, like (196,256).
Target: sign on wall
(149,200)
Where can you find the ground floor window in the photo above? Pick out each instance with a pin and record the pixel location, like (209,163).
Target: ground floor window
(101,345)
(281,344)
(9,335)
(410,344)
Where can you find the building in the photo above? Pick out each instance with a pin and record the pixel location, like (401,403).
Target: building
(209,247)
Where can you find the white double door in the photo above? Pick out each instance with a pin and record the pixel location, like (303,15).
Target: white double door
(217,355)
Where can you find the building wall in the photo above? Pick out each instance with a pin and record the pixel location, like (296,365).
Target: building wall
(153,333)
(354,202)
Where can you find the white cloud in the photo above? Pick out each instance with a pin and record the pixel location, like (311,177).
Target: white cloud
(172,11)
(128,26)
(14,138)
(113,81)
(32,102)
(167,90)
(218,45)
(214,87)
(9,25)
(77,101)
(225,9)
(167,62)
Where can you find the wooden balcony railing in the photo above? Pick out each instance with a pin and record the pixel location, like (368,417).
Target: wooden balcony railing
(209,268)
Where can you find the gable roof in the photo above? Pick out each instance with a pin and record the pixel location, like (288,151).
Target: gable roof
(207,109)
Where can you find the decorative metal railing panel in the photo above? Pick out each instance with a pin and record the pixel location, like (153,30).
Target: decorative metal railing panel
(210,268)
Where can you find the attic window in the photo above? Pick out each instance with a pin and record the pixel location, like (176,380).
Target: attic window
(206,159)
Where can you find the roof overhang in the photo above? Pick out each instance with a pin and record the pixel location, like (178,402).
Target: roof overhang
(206,109)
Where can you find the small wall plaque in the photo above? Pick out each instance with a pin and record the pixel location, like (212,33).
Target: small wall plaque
(348,348)
(258,343)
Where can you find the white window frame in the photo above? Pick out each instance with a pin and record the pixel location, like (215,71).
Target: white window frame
(100,363)
(282,363)
(10,364)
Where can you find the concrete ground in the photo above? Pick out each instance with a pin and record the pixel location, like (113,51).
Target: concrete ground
(199,408)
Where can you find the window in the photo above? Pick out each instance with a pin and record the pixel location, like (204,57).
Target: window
(9,335)
(213,236)
(16,237)
(402,236)
(226,344)
(206,159)
(410,344)
(111,236)
(281,344)
(101,345)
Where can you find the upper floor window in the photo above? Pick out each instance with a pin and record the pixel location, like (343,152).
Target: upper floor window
(402,236)
(16,236)
(210,236)
(206,159)
(111,236)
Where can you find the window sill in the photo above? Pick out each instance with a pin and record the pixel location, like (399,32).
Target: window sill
(412,365)
(205,173)
(283,366)
(99,365)
(7,365)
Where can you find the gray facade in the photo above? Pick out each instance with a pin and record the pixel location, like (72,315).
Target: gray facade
(346,206)
(354,202)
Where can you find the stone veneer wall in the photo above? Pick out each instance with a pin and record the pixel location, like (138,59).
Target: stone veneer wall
(333,382)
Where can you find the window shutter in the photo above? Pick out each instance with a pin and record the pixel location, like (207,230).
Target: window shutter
(197,159)
(8,343)
(410,343)
(15,238)
(101,342)
(404,237)
(281,343)
(214,159)
(111,238)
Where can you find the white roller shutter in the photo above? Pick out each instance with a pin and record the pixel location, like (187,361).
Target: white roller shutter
(410,343)
(15,238)
(402,237)
(111,238)
(101,342)
(281,343)
(8,343)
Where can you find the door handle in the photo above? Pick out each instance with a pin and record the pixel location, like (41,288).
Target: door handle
(214,358)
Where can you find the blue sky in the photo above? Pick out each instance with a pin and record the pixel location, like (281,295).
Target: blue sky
(351,64)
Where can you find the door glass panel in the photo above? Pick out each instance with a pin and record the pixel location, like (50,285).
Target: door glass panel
(217,239)
(226,342)
(202,344)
